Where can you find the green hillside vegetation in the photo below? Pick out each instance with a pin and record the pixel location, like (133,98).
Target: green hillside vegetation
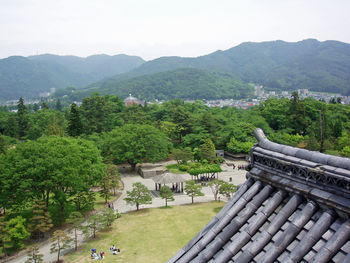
(308,64)
(28,76)
(103,132)
(184,83)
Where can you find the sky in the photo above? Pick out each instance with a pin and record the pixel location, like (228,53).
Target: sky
(155,28)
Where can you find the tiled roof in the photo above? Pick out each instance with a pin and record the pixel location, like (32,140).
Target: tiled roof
(294,207)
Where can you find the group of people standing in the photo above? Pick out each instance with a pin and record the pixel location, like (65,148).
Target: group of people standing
(111,205)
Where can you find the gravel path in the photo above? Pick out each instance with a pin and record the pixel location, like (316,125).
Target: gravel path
(237,176)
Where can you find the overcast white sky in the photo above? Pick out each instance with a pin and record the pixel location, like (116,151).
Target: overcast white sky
(155,28)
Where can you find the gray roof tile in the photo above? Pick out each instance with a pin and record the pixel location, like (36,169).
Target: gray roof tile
(277,216)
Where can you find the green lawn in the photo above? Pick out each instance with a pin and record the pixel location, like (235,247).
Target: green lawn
(150,235)
(174,168)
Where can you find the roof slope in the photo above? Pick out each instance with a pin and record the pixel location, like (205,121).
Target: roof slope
(294,207)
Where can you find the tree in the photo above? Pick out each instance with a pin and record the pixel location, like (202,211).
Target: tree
(16,231)
(109,216)
(44,106)
(114,177)
(84,200)
(33,255)
(40,222)
(134,144)
(215,187)
(58,105)
(100,114)
(75,127)
(51,167)
(3,145)
(93,224)
(75,221)
(236,146)
(182,155)
(226,189)
(297,120)
(11,128)
(192,189)
(22,118)
(208,150)
(138,195)
(166,194)
(106,186)
(60,240)
(3,234)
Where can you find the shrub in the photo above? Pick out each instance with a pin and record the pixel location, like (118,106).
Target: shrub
(183,167)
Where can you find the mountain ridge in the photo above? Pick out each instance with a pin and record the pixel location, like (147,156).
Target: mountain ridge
(277,64)
(28,76)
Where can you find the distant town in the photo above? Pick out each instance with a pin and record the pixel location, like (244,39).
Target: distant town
(260,95)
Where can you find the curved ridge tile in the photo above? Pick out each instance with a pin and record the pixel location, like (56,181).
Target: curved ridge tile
(311,237)
(266,235)
(334,244)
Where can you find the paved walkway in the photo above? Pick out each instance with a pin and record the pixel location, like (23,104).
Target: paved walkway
(238,177)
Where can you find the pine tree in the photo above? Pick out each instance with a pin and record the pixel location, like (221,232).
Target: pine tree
(113,175)
(207,150)
(138,195)
(60,240)
(93,224)
(22,118)
(58,105)
(192,189)
(40,222)
(105,191)
(11,128)
(166,194)
(109,216)
(75,220)
(75,127)
(33,255)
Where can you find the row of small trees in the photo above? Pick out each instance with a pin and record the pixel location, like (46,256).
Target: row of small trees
(61,240)
(140,194)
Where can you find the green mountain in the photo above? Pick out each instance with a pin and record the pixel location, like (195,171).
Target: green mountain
(308,64)
(185,83)
(28,76)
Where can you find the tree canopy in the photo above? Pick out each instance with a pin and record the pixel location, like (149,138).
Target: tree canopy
(135,143)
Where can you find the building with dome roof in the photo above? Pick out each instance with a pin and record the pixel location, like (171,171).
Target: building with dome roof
(130,100)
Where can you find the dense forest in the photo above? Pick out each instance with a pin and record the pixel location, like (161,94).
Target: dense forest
(51,157)
(186,83)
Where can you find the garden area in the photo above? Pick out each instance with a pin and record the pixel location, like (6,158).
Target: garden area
(149,235)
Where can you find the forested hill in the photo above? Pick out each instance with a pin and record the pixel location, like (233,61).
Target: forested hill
(28,76)
(185,83)
(318,66)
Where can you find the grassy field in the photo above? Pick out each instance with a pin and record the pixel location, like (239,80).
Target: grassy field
(150,235)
